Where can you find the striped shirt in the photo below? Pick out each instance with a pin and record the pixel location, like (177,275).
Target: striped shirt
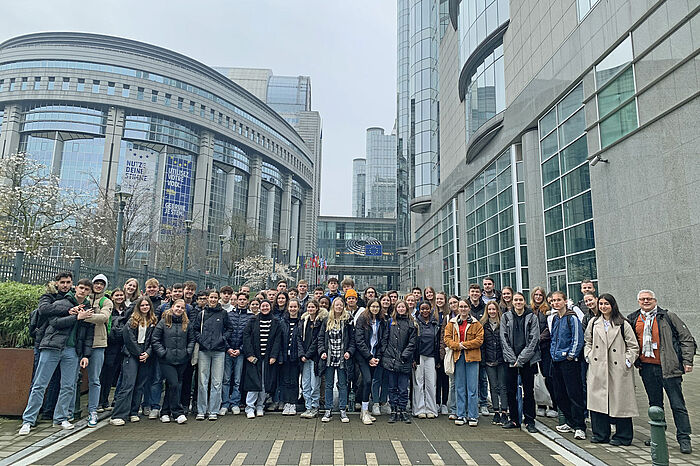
(293,321)
(264,335)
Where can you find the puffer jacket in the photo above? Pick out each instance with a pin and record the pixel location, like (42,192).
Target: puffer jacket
(307,337)
(60,326)
(239,319)
(399,345)
(39,318)
(567,336)
(473,341)
(215,333)
(492,350)
(102,310)
(363,335)
(132,347)
(173,345)
(531,353)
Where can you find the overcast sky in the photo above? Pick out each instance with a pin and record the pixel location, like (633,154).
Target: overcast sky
(347,47)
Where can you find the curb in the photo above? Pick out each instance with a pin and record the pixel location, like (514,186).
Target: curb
(568,445)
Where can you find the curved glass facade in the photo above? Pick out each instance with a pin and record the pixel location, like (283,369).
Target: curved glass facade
(156,129)
(63,117)
(230,153)
(485,95)
(478,19)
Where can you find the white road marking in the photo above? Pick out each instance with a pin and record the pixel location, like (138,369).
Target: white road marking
(209,455)
(80,453)
(146,453)
(499,459)
(462,453)
(527,456)
(104,459)
(239,459)
(274,453)
(172,460)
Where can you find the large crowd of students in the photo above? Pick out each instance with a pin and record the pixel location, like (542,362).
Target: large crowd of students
(174,352)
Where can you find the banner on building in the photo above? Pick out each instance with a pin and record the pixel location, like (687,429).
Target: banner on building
(177,190)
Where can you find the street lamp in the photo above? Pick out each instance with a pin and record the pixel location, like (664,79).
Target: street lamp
(188,230)
(222,238)
(121,198)
(274,260)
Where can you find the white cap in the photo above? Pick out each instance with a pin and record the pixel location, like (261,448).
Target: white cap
(100,276)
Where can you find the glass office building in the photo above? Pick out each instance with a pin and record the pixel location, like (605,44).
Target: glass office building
(380,182)
(359,177)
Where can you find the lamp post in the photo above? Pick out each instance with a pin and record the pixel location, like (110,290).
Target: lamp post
(274,260)
(188,230)
(222,238)
(121,198)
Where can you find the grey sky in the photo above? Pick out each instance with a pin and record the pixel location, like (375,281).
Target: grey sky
(347,47)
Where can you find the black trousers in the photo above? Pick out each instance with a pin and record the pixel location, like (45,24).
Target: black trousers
(172,374)
(135,374)
(442,391)
(600,425)
(367,374)
(289,381)
(655,384)
(111,369)
(527,378)
(189,380)
(568,391)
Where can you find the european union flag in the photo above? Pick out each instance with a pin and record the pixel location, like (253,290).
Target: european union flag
(373,250)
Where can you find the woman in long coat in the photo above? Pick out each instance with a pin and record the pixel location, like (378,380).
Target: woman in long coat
(611,349)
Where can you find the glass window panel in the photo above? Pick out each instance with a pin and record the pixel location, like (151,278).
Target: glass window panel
(508,259)
(480,214)
(494,263)
(471,220)
(491,226)
(492,244)
(505,218)
(523,256)
(472,269)
(523,233)
(471,253)
(507,238)
(578,209)
(574,155)
(613,62)
(581,267)
(551,194)
(570,103)
(471,236)
(556,264)
(616,92)
(555,245)
(504,180)
(491,207)
(479,197)
(481,232)
(549,146)
(576,182)
(572,128)
(548,122)
(550,170)
(481,267)
(580,238)
(552,220)
(505,199)
(503,161)
(491,189)
(618,124)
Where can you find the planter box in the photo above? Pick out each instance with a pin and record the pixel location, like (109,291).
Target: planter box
(16,369)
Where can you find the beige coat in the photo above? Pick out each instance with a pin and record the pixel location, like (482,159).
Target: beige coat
(610,380)
(100,318)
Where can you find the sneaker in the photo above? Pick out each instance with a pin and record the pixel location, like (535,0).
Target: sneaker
(199,417)
(460,421)
(165,418)
(565,428)
(422,416)
(24,430)
(181,419)
(443,410)
(394,417)
(551,413)
(273,407)
(405,417)
(66,425)
(235,410)
(685,446)
(92,419)
(580,434)
(117,422)
(223,411)
(306,414)
(109,408)
(292,409)
(100,409)
(376,411)
(344,416)
(285,409)
(134,419)
(452,417)
(431,416)
(385,408)
(364,417)
(496,419)
(145,411)
(484,411)
(541,412)
(250,414)
(314,413)
(510,425)
(531,428)
(213,417)
(259,412)
(473,422)
(327,417)
(154,414)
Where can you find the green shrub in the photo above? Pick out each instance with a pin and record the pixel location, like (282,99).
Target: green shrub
(17,301)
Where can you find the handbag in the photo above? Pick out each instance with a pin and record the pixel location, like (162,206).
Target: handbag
(449,362)
(195,353)
(542,396)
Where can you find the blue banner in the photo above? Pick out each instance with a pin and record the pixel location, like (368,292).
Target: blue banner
(177,188)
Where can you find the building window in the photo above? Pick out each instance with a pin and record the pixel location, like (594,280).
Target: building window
(65,85)
(191,107)
(212,114)
(154,96)
(448,229)
(485,95)
(616,94)
(13,84)
(95,87)
(37,83)
(168,97)
(180,100)
(81,85)
(139,93)
(110,88)
(2,85)
(583,7)
(202,111)
(24,84)
(52,83)
(568,212)
(125,91)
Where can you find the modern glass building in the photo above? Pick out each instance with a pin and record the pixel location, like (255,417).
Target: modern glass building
(566,148)
(359,177)
(361,248)
(380,184)
(91,107)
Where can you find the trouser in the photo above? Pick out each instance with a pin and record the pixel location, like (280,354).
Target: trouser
(424,387)
(310,385)
(210,366)
(527,378)
(289,378)
(568,390)
(497,384)
(51,394)
(256,400)
(342,387)
(466,388)
(94,369)
(108,377)
(452,397)
(442,389)
(546,371)
(173,376)
(49,359)
(154,389)
(368,375)
(380,385)
(600,425)
(483,385)
(398,389)
(187,383)
(135,375)
(655,384)
(231,384)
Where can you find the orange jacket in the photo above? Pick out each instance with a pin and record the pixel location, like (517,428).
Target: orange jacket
(473,342)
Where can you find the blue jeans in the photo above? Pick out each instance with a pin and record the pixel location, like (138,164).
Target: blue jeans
(210,366)
(310,385)
(94,370)
(452,399)
(342,387)
(154,390)
(483,385)
(231,385)
(49,359)
(398,389)
(466,388)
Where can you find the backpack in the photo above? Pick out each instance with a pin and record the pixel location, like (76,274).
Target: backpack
(677,344)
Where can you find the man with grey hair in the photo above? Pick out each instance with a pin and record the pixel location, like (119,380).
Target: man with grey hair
(667,351)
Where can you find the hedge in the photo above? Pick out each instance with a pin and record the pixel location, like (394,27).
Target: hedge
(17,301)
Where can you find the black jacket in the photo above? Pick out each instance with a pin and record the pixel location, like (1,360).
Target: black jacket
(477,311)
(171,344)
(38,319)
(60,326)
(422,328)
(254,374)
(115,341)
(348,340)
(399,345)
(293,355)
(215,334)
(307,337)
(239,320)
(131,346)
(363,335)
(491,350)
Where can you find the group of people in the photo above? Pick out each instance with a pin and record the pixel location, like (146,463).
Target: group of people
(172,351)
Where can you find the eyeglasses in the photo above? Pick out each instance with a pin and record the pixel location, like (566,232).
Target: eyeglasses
(647,299)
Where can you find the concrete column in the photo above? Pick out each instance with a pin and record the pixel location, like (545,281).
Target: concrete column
(537,265)
(254,187)
(113,139)
(205,159)
(269,220)
(294,232)
(9,137)
(285,212)
(57,157)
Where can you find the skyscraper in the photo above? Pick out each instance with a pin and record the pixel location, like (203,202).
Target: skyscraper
(359,175)
(380,185)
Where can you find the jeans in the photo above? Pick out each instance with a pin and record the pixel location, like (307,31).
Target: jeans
(51,395)
(49,359)
(210,366)
(310,385)
(655,384)
(342,387)
(173,376)
(483,385)
(134,377)
(497,383)
(466,388)
(108,377)
(368,375)
(442,391)
(256,400)
(424,387)
(289,379)
(94,369)
(154,390)
(380,385)
(452,398)
(568,391)
(527,378)
(231,385)
(398,390)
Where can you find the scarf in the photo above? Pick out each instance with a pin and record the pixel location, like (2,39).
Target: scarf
(647,347)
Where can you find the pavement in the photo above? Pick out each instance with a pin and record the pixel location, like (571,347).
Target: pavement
(285,440)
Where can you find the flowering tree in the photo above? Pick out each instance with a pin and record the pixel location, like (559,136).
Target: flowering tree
(258,269)
(37,213)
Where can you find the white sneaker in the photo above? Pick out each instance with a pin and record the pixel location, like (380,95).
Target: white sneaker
(551,413)
(541,412)
(165,418)
(134,419)
(223,411)
(213,417)
(443,410)
(117,422)
(181,419)
(235,410)
(292,409)
(24,430)
(285,410)
(564,428)
(259,412)
(154,414)
(580,434)
(484,411)
(65,425)
(250,414)
(375,410)
(199,417)
(386,409)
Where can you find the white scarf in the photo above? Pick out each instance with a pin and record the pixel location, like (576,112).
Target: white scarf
(647,346)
